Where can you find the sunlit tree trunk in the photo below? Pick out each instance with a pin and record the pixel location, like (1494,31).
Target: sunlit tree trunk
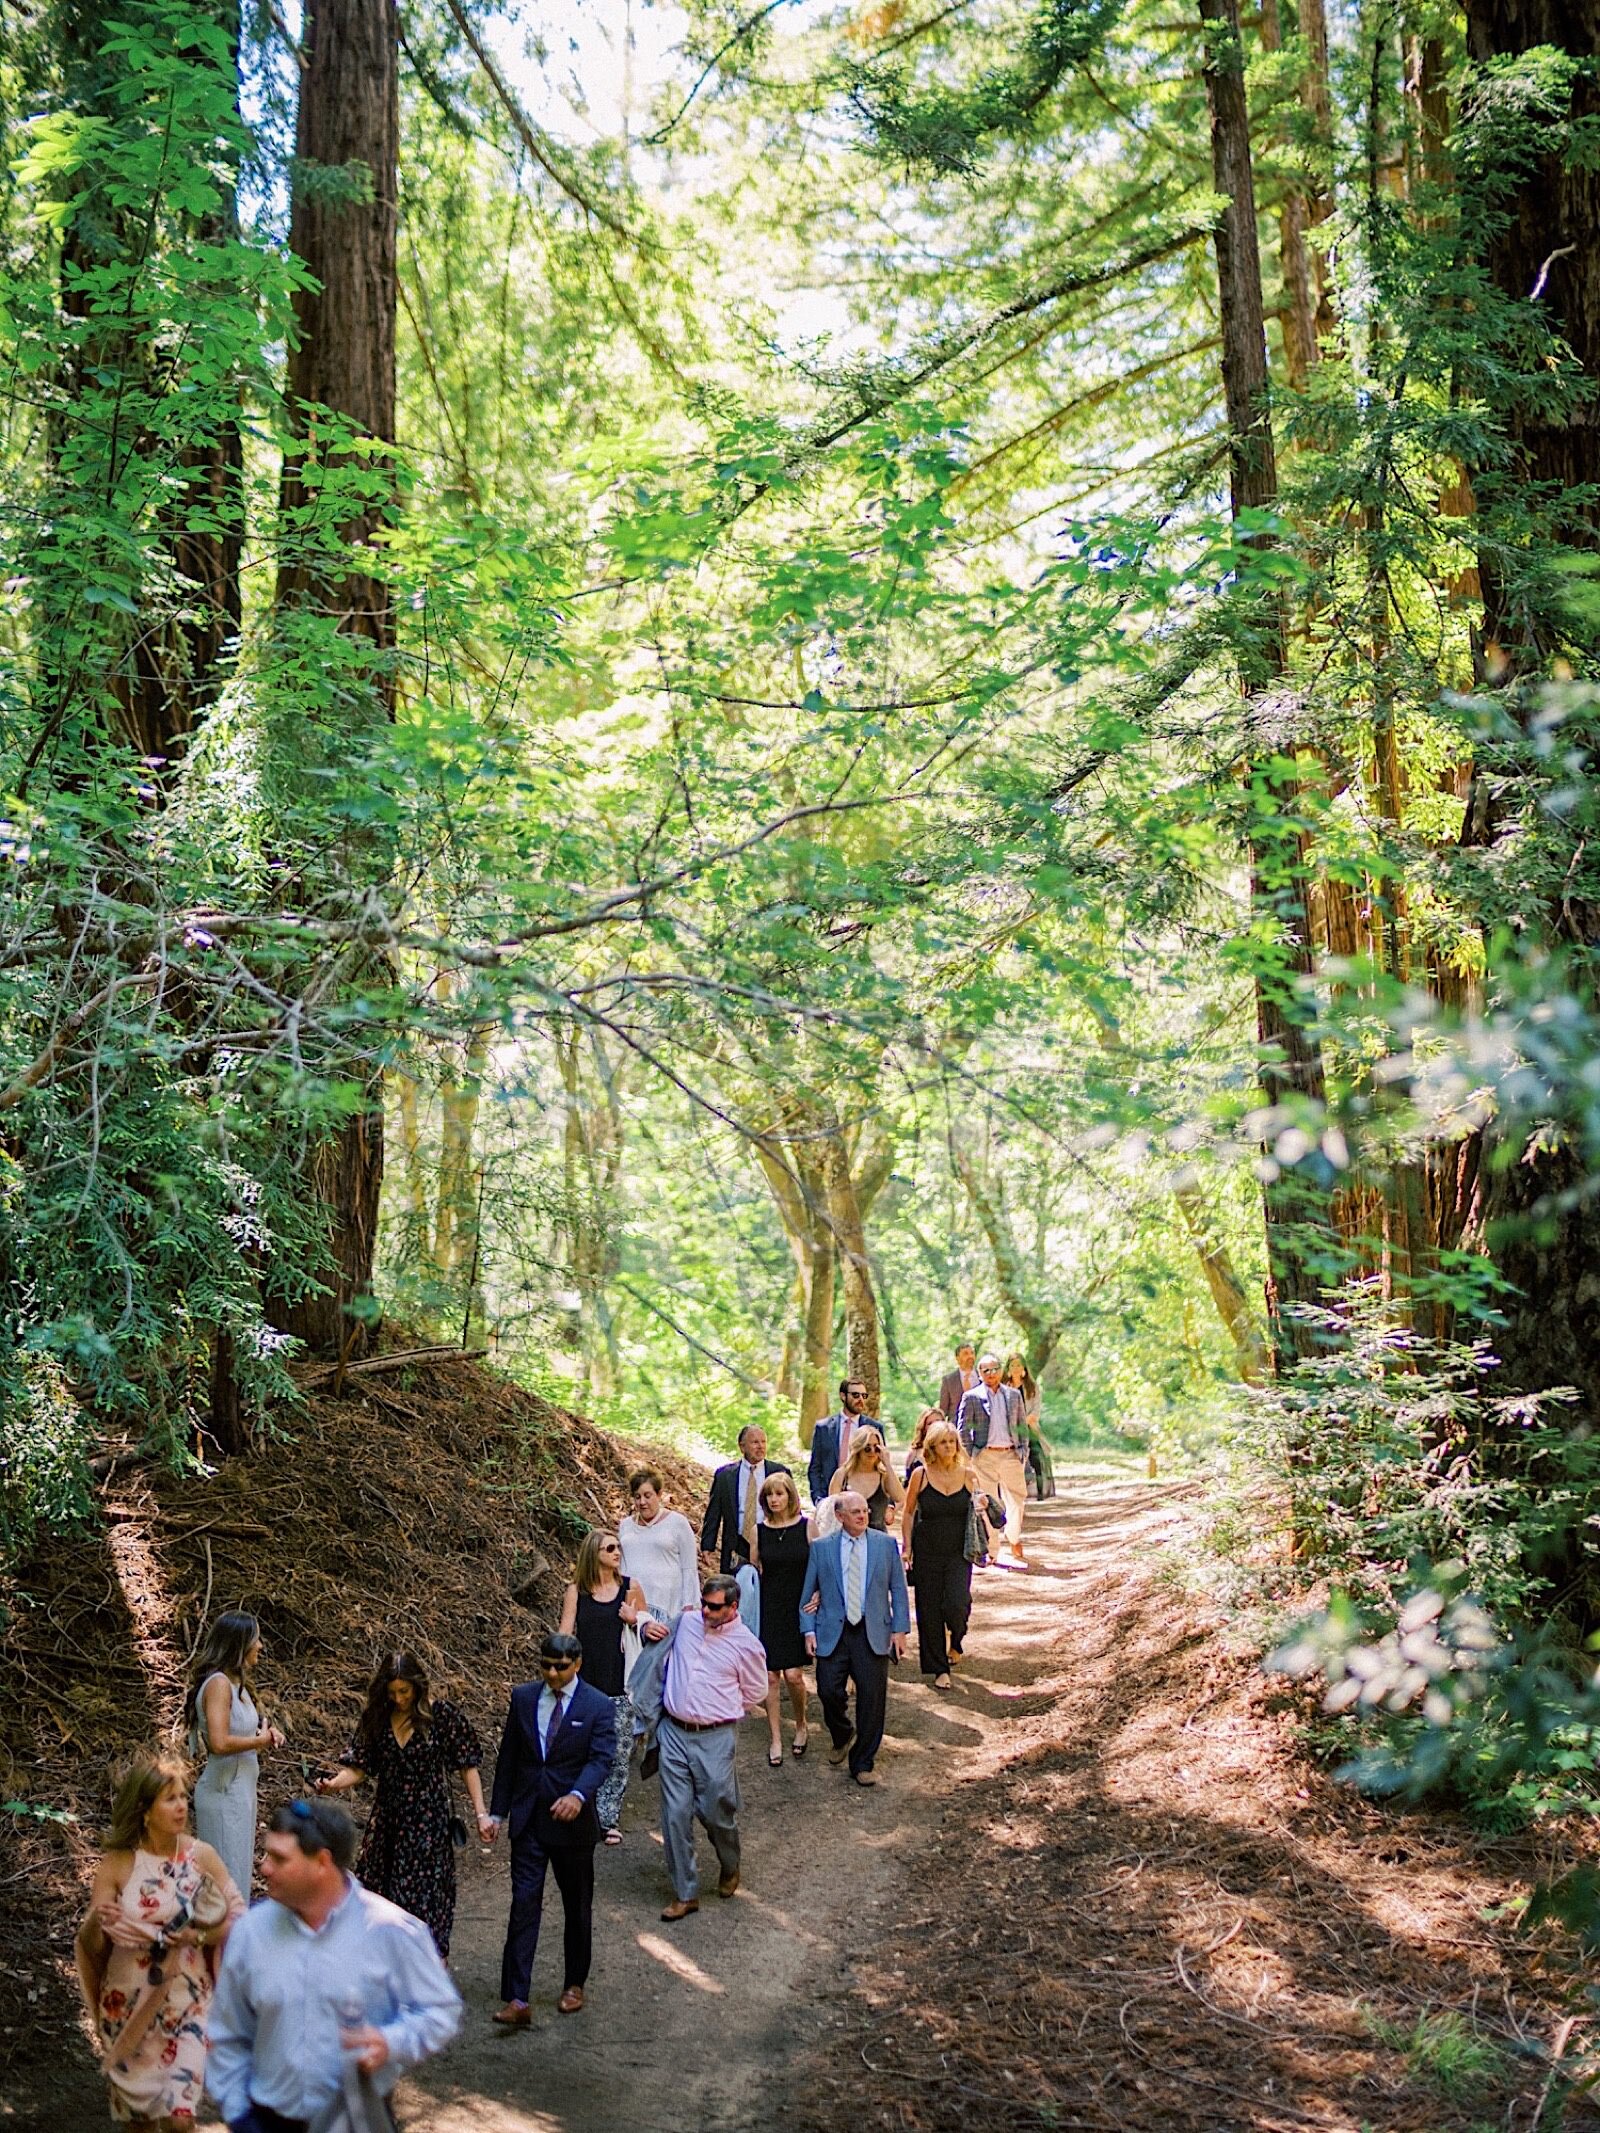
(1291,1057)
(593,1142)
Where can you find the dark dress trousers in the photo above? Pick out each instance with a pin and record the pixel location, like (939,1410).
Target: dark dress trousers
(527,1785)
(720,1533)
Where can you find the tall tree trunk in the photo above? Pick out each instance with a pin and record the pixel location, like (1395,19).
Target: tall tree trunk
(342,225)
(1250,1357)
(1299,316)
(1541,1215)
(1291,1056)
(855,1272)
(1041,1323)
(816,1367)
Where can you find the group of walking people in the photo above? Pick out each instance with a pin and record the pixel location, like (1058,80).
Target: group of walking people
(187,1989)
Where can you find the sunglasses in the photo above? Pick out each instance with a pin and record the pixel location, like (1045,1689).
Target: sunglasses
(555,1666)
(718,1607)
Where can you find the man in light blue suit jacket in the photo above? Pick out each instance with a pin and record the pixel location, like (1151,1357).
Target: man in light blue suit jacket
(855,1616)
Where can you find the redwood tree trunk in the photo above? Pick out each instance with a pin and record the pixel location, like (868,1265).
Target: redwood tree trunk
(1291,1057)
(343,227)
(1541,1216)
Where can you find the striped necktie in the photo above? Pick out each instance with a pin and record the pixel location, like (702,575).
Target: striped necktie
(855,1578)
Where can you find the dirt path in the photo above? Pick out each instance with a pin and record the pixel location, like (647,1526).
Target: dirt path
(1099,1888)
(688,2028)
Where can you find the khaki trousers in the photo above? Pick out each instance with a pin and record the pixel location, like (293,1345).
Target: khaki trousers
(1002,1474)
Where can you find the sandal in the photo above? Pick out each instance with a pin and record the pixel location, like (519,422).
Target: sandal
(613,1836)
(943,1681)
(774,1759)
(802,1741)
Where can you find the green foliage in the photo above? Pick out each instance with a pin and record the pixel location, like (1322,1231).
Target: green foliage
(1444,2051)
(1389,1448)
(925,125)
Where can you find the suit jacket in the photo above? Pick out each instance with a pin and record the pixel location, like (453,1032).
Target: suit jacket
(950,1390)
(886,1609)
(825,1461)
(972,1419)
(527,1785)
(721,1529)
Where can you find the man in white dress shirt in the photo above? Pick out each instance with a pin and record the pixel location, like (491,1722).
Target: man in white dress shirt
(733,1509)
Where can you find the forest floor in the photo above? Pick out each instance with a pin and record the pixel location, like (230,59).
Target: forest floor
(1099,1888)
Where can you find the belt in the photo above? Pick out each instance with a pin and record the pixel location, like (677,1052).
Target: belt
(699,1725)
(271,2121)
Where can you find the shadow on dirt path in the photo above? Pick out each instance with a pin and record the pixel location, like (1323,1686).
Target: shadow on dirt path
(690,2029)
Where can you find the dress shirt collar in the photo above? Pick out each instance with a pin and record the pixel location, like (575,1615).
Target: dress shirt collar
(314,1932)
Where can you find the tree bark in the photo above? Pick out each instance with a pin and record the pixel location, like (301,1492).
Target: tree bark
(1250,1356)
(1541,1218)
(855,1272)
(1040,1324)
(1291,1057)
(342,225)
(1298,322)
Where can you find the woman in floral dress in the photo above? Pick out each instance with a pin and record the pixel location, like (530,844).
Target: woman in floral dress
(409,1746)
(145,1964)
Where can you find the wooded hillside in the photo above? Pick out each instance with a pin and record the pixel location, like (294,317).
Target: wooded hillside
(707,697)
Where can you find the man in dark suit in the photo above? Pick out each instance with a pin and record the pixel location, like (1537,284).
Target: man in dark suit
(558,1746)
(830,1440)
(734,1505)
(854,1612)
(955,1383)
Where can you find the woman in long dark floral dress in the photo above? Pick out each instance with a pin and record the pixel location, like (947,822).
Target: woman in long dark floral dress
(409,1746)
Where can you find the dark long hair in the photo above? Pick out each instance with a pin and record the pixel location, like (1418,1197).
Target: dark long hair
(374,1719)
(222,1651)
(1027,1387)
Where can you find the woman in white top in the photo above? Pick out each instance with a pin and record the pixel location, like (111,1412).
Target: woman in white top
(658,1549)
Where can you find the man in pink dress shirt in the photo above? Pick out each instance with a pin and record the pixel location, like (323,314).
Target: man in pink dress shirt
(715,1672)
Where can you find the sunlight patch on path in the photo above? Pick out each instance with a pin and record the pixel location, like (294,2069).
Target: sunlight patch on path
(674,1959)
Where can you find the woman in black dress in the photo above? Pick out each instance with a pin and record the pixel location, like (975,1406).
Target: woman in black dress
(596,1608)
(409,1745)
(779,1555)
(935,1526)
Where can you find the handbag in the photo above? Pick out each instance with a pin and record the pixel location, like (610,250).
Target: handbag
(207,1908)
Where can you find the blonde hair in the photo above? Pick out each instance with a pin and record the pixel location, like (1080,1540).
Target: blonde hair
(941,1434)
(925,1422)
(859,1443)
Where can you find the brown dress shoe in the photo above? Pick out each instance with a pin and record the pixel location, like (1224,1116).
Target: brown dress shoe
(571,2001)
(514,2015)
(866,1777)
(680,1909)
(729,1884)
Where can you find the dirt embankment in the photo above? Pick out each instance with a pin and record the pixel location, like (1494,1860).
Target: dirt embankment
(436,1506)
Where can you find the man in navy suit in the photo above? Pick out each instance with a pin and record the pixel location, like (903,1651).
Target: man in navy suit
(853,1614)
(557,1750)
(734,1505)
(830,1440)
